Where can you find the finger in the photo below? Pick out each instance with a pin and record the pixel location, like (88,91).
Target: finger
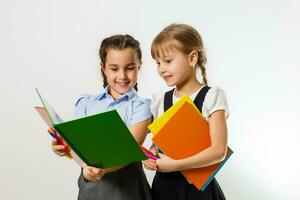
(53,142)
(95,173)
(67,148)
(153,166)
(150,165)
(146,165)
(93,177)
(88,177)
(58,150)
(93,170)
(58,147)
(62,154)
(88,174)
(151,161)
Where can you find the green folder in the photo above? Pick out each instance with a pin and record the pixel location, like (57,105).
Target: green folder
(102,140)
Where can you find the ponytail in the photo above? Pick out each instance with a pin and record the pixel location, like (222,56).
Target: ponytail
(201,63)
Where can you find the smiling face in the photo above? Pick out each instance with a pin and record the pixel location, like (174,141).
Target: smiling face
(174,66)
(121,69)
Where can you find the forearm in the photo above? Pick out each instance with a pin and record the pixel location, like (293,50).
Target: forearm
(204,158)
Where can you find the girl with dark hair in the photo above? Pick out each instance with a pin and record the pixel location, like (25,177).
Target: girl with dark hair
(120,63)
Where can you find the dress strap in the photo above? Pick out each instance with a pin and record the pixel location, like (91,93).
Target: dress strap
(168,98)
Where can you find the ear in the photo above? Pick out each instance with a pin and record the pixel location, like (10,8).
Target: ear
(102,67)
(139,65)
(193,58)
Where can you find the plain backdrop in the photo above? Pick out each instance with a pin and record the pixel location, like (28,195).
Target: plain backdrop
(253,55)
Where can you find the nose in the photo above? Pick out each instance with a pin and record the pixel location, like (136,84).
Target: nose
(161,69)
(123,74)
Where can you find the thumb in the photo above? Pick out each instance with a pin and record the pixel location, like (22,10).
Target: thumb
(93,169)
(54,142)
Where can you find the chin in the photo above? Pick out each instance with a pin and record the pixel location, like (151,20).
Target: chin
(169,84)
(123,90)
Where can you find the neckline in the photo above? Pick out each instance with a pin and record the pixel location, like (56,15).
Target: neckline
(192,96)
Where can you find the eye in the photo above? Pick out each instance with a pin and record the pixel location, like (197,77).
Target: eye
(157,62)
(130,68)
(114,69)
(168,61)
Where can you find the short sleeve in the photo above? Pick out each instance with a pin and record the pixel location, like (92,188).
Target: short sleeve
(81,104)
(157,104)
(140,111)
(215,100)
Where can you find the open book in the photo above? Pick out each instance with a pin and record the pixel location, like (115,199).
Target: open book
(102,140)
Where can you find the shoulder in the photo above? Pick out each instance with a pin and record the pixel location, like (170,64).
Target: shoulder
(140,109)
(215,93)
(81,104)
(157,98)
(215,99)
(157,103)
(83,100)
(137,101)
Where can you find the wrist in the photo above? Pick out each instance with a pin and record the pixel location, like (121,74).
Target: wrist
(177,165)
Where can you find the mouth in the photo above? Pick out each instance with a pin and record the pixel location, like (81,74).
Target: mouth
(166,78)
(123,84)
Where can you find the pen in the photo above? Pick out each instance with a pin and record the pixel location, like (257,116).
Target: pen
(145,150)
(148,153)
(53,133)
(151,156)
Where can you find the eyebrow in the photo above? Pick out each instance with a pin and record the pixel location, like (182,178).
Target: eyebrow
(165,57)
(115,65)
(130,64)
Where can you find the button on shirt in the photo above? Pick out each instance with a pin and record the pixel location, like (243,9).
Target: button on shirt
(131,108)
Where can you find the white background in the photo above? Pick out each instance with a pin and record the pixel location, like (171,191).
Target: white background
(253,54)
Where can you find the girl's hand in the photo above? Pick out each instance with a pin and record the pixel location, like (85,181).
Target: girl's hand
(166,164)
(59,150)
(150,164)
(92,173)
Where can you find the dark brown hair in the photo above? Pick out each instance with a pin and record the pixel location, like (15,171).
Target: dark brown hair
(119,42)
(184,38)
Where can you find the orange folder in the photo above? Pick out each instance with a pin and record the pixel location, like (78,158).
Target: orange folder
(186,133)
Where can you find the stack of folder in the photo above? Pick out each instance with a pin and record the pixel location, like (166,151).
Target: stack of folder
(182,132)
(102,140)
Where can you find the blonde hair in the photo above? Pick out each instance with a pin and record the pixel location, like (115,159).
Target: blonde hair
(184,38)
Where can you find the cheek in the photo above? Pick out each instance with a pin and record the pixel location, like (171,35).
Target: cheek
(180,68)
(110,76)
(158,71)
(176,69)
(133,74)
